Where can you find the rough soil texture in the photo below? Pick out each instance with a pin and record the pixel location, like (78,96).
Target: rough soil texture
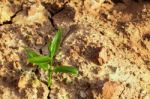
(108,41)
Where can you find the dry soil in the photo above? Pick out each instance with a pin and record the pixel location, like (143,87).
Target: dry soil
(108,41)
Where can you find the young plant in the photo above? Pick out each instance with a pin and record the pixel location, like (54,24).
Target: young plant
(45,62)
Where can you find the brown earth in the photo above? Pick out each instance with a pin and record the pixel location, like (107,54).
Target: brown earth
(107,40)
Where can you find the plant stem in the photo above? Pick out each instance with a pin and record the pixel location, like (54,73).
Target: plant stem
(50,73)
(49,77)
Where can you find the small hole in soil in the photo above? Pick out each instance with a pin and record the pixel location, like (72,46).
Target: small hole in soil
(146,36)
(143,45)
(36,71)
(92,54)
(128,85)
(40,51)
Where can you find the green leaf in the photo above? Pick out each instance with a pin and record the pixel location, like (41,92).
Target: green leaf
(31,53)
(66,69)
(49,47)
(43,66)
(39,59)
(55,43)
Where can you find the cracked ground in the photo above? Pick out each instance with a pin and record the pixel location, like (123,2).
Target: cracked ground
(108,41)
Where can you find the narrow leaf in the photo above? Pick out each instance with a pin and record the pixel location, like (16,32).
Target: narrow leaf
(43,66)
(31,53)
(55,43)
(66,69)
(39,59)
(49,47)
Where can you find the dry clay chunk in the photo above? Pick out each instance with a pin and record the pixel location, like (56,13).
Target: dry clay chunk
(35,14)
(5,12)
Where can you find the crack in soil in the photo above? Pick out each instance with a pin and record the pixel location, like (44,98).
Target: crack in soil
(69,32)
(52,22)
(48,97)
(121,92)
(54,13)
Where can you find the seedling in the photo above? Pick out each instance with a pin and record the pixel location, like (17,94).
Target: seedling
(46,62)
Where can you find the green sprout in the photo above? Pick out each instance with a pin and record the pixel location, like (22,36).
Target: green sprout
(45,62)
